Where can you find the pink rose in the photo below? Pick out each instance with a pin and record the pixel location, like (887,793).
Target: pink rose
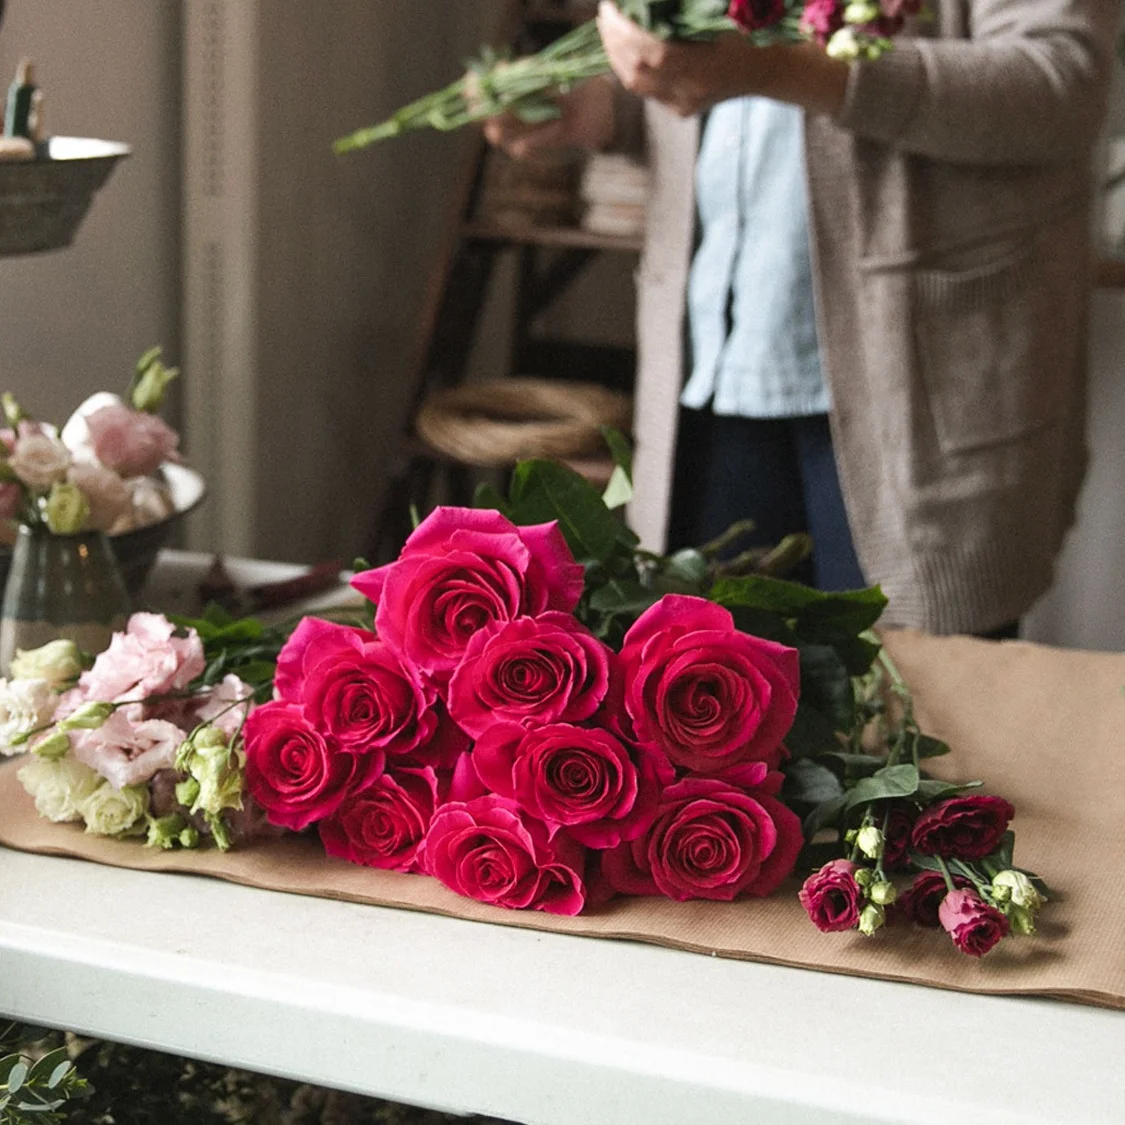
(296,774)
(920,901)
(383,825)
(354,688)
(583,779)
(974,926)
(701,691)
(126,751)
(710,840)
(832,898)
(970,826)
(460,570)
(490,850)
(821,19)
(750,15)
(146,659)
(545,669)
(131,442)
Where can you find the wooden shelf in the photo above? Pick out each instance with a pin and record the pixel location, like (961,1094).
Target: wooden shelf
(574,238)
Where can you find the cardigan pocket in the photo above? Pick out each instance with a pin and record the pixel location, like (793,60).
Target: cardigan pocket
(993,353)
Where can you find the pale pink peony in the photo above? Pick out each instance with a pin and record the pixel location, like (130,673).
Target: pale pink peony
(131,442)
(146,659)
(126,751)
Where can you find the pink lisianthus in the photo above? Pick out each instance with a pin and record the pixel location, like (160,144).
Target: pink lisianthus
(490,850)
(821,19)
(920,901)
(544,669)
(710,840)
(974,926)
(131,442)
(460,570)
(11,498)
(702,692)
(128,751)
(751,15)
(39,460)
(968,826)
(583,779)
(832,898)
(294,772)
(226,705)
(145,659)
(384,824)
(107,494)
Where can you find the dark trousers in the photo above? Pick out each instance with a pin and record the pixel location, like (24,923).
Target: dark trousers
(779,472)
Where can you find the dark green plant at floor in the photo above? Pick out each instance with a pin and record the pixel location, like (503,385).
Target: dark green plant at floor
(37,1078)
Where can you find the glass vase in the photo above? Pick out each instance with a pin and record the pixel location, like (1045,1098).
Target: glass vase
(61,586)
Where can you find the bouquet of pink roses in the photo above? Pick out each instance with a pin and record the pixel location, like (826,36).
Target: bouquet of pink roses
(541,716)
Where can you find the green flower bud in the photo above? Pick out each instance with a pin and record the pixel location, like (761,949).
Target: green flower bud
(870,841)
(164,831)
(54,746)
(1021,920)
(861,11)
(844,45)
(67,509)
(57,662)
(871,918)
(219,832)
(882,893)
(152,378)
(189,837)
(863,876)
(1016,887)
(187,792)
(89,716)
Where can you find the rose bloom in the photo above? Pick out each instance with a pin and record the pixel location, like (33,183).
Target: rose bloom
(821,19)
(543,669)
(460,570)
(974,926)
(701,691)
(710,840)
(296,774)
(753,14)
(40,460)
(920,901)
(490,850)
(127,751)
(384,825)
(131,442)
(584,779)
(832,898)
(110,812)
(970,826)
(363,695)
(145,659)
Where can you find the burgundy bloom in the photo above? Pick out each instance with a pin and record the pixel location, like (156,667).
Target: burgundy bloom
(750,15)
(963,827)
(821,19)
(896,835)
(832,898)
(920,901)
(974,926)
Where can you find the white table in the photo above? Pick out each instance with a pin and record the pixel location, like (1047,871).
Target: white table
(524,1025)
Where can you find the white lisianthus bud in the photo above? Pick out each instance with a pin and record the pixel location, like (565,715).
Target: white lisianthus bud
(67,509)
(112,812)
(1014,886)
(164,831)
(882,893)
(25,706)
(89,716)
(58,787)
(870,841)
(53,746)
(1021,920)
(57,662)
(844,45)
(863,876)
(153,377)
(871,918)
(40,460)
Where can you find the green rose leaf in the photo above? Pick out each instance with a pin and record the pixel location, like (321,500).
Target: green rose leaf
(890,781)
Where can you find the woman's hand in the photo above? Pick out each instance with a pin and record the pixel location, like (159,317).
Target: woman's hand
(691,77)
(587,121)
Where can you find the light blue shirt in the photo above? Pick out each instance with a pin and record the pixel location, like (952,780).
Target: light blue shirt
(750,295)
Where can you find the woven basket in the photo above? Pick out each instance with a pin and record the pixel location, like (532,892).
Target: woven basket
(43,201)
(499,422)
